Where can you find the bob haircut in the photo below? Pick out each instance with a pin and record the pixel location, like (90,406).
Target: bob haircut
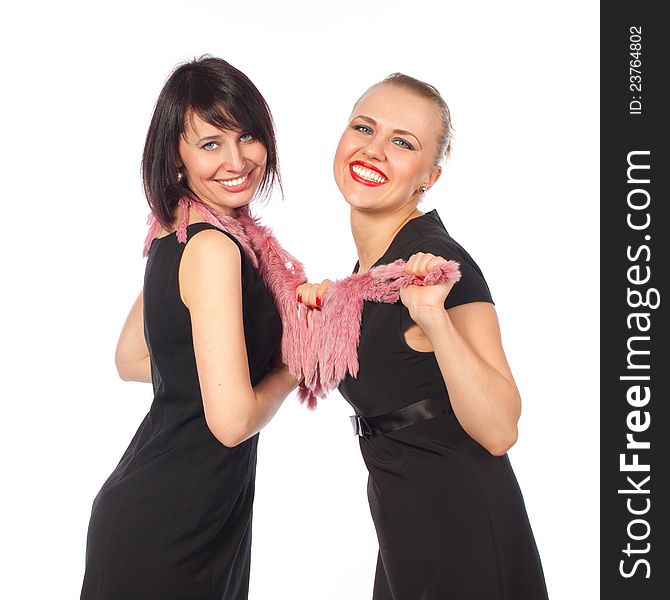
(220,95)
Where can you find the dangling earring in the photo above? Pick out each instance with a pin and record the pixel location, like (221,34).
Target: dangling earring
(180,176)
(423,189)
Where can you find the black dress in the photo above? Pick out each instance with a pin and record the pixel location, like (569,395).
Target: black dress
(449,516)
(173,521)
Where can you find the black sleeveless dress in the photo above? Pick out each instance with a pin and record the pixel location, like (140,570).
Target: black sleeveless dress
(449,516)
(173,521)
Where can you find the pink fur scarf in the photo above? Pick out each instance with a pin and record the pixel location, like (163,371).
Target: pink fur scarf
(321,350)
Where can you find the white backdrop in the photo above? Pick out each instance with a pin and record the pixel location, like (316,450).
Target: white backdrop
(521,194)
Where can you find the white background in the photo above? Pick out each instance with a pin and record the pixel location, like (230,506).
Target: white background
(79,81)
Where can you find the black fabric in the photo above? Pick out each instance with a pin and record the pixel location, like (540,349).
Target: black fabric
(382,384)
(403,417)
(450,517)
(173,521)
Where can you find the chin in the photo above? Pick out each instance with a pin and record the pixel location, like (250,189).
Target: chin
(226,205)
(361,200)
(240,203)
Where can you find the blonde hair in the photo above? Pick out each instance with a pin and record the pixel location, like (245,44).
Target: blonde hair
(425,90)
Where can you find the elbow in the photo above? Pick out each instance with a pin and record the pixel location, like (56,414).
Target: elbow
(127,370)
(231,421)
(120,362)
(133,368)
(501,445)
(507,435)
(229,435)
(122,369)
(123,364)
(229,439)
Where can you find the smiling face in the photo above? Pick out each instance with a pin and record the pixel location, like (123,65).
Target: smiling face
(223,168)
(387,152)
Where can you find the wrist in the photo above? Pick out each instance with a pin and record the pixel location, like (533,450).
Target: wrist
(429,317)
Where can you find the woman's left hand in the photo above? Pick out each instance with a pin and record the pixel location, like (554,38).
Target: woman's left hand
(311,294)
(424,301)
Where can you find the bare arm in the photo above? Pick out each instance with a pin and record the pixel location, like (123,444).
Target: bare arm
(468,349)
(132,354)
(211,288)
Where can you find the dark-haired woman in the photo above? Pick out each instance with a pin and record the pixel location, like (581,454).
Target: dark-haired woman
(436,401)
(173,521)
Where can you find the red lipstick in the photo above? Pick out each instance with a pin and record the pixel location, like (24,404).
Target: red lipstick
(366,174)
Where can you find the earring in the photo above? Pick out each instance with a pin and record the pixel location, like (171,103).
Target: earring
(423,189)
(180,175)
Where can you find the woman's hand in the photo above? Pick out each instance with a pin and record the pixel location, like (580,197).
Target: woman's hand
(424,301)
(311,294)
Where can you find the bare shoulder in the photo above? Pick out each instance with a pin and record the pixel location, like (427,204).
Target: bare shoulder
(210,244)
(210,265)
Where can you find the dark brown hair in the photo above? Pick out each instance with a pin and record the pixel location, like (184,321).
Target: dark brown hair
(425,90)
(220,95)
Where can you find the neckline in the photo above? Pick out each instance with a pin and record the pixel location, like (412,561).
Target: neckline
(431,213)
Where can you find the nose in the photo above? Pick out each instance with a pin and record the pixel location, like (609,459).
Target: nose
(374,149)
(233,158)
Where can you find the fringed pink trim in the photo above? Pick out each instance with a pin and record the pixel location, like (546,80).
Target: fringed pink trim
(329,350)
(230,224)
(152,234)
(282,273)
(324,349)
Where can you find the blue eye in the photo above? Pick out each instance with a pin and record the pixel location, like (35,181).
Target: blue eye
(363,129)
(246,137)
(402,143)
(210,146)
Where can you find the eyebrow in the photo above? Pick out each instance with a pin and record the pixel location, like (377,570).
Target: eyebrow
(198,140)
(202,140)
(208,138)
(400,131)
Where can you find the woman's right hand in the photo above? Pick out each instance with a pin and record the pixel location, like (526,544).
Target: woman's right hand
(311,294)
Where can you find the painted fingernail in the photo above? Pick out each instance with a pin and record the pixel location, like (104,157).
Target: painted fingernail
(299,297)
(318,301)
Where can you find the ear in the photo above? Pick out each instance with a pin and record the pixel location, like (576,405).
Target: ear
(434,176)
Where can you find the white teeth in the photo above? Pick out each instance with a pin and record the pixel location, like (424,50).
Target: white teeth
(368,174)
(234,182)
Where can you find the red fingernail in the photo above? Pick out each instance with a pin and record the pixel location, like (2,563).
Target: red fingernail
(318,301)
(299,297)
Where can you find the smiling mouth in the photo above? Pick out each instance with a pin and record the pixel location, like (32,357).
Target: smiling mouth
(367,174)
(235,185)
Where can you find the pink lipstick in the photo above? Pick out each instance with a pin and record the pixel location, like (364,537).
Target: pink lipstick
(236,184)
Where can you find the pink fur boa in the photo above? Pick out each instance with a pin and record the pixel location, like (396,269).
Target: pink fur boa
(329,349)
(322,350)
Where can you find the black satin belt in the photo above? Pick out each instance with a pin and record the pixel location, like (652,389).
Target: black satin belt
(428,408)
